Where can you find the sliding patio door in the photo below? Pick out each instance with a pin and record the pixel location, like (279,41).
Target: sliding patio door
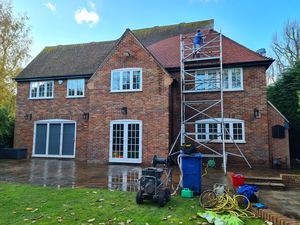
(54,138)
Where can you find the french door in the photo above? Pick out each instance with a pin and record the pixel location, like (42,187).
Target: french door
(54,138)
(125,141)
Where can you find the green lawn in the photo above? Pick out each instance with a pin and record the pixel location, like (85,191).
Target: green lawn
(27,204)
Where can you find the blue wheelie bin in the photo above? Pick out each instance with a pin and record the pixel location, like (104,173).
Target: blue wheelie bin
(191,166)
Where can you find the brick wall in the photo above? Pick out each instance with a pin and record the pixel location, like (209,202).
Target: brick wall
(59,107)
(151,105)
(239,105)
(279,147)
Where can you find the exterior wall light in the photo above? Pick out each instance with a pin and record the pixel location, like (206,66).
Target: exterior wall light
(28,116)
(124,110)
(126,54)
(85,116)
(257,114)
(60,81)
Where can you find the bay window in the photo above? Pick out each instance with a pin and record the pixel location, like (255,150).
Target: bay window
(211,130)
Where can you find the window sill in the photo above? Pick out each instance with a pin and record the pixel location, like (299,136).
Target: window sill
(126,91)
(75,96)
(226,142)
(204,91)
(46,98)
(122,160)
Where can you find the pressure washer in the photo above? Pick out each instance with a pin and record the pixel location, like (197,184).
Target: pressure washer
(152,185)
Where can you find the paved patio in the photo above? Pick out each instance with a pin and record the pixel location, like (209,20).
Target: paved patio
(72,173)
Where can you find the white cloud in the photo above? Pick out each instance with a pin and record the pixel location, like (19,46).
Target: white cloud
(50,6)
(85,16)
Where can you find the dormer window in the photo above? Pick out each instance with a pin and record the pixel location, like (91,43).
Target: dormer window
(126,80)
(41,89)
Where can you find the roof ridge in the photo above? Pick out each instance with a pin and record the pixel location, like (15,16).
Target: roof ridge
(78,44)
(209,21)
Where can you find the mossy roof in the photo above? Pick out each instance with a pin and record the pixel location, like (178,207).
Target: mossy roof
(84,59)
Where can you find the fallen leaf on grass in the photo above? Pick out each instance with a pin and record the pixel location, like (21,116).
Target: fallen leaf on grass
(91,220)
(121,223)
(100,200)
(37,218)
(129,221)
(122,210)
(169,216)
(29,209)
(165,218)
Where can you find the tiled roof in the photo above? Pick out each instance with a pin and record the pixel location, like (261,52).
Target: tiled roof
(167,52)
(84,59)
(162,41)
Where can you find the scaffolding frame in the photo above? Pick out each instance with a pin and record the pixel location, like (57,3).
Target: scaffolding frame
(208,56)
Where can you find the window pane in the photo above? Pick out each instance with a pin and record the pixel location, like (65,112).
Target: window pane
(201,131)
(126,80)
(237,131)
(118,141)
(213,82)
(49,89)
(71,87)
(236,78)
(34,86)
(200,81)
(133,141)
(41,89)
(80,87)
(213,131)
(116,80)
(225,79)
(136,79)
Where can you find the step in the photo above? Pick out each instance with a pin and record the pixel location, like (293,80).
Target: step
(263,179)
(268,185)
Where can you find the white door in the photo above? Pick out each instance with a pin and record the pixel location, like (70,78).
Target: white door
(125,141)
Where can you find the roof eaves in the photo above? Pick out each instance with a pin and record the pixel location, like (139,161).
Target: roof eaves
(278,111)
(70,76)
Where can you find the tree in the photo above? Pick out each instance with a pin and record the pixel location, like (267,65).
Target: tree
(6,128)
(285,95)
(14,50)
(286,46)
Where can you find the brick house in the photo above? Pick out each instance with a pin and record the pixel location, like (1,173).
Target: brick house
(119,101)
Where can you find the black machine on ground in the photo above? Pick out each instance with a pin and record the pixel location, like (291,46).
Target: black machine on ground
(153,186)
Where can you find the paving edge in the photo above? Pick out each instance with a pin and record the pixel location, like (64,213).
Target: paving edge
(274,217)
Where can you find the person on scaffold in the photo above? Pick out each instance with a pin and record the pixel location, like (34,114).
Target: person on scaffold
(197,43)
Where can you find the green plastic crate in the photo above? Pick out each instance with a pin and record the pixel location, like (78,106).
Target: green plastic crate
(186,193)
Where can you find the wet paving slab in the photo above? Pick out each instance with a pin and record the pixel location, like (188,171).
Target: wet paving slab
(73,173)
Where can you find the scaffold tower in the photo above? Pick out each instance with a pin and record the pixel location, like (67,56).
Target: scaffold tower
(202,98)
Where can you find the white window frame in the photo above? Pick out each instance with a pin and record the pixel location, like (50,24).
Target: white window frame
(125,159)
(38,90)
(75,96)
(218,74)
(48,122)
(217,121)
(121,70)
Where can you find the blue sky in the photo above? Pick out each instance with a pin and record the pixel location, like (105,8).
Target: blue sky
(249,22)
